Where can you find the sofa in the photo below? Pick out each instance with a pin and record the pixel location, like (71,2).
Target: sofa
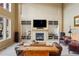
(67,40)
(18,52)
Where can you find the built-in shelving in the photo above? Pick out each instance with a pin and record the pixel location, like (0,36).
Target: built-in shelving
(52,26)
(26,28)
(52,22)
(52,29)
(26,22)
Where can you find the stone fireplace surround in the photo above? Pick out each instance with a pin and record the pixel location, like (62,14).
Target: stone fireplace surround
(39,36)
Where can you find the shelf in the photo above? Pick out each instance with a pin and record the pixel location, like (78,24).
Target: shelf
(52,22)
(40,29)
(26,22)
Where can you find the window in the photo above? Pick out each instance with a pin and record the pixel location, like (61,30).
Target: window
(6,6)
(1,4)
(1,28)
(8,28)
(5,28)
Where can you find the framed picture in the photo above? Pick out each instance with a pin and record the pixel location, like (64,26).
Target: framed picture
(76,21)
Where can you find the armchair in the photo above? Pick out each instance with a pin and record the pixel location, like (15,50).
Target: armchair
(74,46)
(62,36)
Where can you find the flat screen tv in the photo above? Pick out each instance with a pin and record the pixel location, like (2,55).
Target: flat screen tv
(39,23)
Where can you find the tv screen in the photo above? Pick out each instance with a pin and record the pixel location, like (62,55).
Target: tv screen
(39,23)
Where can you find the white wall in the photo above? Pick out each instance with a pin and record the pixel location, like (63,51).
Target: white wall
(49,11)
(70,10)
(52,11)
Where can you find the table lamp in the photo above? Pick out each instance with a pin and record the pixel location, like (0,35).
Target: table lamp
(70,32)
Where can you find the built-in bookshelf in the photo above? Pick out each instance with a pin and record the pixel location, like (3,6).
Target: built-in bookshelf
(26,29)
(52,28)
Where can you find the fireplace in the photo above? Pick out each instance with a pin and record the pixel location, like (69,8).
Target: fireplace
(39,36)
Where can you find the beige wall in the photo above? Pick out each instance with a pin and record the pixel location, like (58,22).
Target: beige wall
(11,16)
(70,10)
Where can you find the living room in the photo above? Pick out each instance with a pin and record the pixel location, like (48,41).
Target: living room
(50,26)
